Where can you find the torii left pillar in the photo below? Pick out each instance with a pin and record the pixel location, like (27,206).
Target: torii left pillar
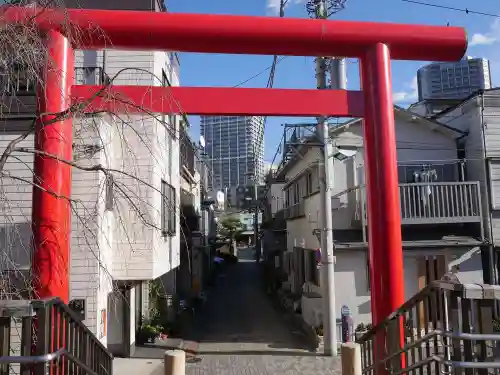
(52,182)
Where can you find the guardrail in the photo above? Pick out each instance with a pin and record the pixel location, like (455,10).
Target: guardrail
(41,337)
(447,327)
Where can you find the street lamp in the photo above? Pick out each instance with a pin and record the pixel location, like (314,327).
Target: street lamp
(343,153)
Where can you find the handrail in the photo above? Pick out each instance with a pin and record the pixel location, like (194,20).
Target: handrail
(59,303)
(430,335)
(32,359)
(45,358)
(436,284)
(438,326)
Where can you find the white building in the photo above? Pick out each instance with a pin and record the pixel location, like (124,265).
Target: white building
(433,237)
(125,228)
(478,117)
(453,80)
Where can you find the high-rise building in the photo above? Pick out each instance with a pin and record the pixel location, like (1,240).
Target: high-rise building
(453,80)
(234,149)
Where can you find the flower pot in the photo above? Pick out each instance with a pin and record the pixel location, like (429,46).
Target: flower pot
(359,334)
(142,338)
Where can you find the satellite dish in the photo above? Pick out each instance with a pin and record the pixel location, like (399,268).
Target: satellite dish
(202,141)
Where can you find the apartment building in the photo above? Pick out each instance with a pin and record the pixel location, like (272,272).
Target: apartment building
(453,80)
(235,150)
(441,214)
(478,117)
(125,228)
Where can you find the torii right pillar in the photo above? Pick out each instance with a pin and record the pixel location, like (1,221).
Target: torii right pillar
(384,231)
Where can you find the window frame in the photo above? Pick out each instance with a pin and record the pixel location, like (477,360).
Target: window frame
(109,203)
(168,210)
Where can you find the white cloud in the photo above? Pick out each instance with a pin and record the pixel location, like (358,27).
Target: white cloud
(488,38)
(407,96)
(482,39)
(273,6)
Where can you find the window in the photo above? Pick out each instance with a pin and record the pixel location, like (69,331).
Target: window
(168,210)
(312,271)
(309,183)
(110,199)
(296,193)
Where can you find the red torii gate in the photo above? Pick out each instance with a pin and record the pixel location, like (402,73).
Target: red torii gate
(372,43)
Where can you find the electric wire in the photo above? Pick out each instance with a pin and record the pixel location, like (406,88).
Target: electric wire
(463,10)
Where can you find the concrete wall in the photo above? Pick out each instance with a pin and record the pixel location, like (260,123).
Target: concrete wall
(352,284)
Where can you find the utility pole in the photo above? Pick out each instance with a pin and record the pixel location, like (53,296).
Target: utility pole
(326,168)
(256,222)
(338,73)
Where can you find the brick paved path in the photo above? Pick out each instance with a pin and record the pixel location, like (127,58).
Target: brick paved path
(240,332)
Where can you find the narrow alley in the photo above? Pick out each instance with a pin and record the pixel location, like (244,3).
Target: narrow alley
(240,318)
(239,331)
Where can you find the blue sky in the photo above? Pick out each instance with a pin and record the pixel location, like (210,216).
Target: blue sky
(298,72)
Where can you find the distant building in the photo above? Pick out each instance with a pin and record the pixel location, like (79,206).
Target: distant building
(453,80)
(234,149)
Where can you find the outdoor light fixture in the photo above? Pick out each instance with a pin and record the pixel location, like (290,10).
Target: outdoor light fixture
(343,154)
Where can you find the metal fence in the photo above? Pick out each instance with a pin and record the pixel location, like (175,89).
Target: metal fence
(18,83)
(446,328)
(41,337)
(91,75)
(24,82)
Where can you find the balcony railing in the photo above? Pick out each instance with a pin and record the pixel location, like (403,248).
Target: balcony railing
(91,75)
(187,152)
(18,83)
(23,83)
(424,203)
(295,211)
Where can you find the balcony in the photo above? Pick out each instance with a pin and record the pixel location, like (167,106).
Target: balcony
(19,100)
(421,203)
(187,152)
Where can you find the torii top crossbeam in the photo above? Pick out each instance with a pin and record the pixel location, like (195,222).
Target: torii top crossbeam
(97,29)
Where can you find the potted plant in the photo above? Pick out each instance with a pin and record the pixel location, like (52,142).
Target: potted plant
(319,334)
(148,333)
(361,329)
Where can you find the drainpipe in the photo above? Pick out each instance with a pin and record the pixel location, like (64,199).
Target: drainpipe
(490,256)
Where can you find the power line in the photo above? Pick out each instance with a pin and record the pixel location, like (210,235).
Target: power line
(463,10)
(270,67)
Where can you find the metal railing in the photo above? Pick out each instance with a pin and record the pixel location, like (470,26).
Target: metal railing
(187,151)
(91,75)
(22,82)
(18,83)
(447,328)
(426,202)
(45,336)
